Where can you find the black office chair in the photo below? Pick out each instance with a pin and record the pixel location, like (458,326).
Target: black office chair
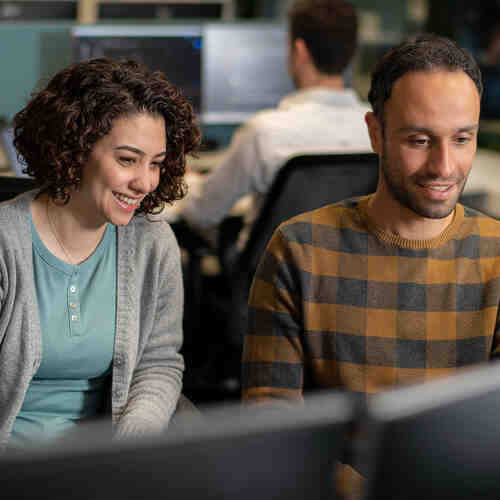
(304,183)
(10,187)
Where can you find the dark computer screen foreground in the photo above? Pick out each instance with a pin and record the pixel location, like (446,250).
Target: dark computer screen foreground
(440,440)
(232,453)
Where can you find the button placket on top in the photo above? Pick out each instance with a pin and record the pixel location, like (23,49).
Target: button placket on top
(75,323)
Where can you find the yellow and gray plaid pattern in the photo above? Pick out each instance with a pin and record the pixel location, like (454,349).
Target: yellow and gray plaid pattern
(338,303)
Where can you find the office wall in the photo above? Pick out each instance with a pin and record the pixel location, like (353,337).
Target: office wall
(29,53)
(33,51)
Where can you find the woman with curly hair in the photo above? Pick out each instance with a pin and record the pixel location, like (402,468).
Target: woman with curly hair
(90,287)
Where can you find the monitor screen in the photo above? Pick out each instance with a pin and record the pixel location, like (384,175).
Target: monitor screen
(244,69)
(437,440)
(174,50)
(230,453)
(229,70)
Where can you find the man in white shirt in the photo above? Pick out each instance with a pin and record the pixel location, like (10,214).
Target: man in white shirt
(322,116)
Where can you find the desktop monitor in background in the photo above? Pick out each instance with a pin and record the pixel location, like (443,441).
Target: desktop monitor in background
(244,70)
(175,50)
(230,454)
(7,144)
(437,440)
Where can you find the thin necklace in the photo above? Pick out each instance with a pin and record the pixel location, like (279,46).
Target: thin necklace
(54,232)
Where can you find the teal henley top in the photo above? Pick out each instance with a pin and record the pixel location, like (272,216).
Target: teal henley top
(77,307)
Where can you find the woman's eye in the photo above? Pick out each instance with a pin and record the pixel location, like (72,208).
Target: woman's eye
(126,160)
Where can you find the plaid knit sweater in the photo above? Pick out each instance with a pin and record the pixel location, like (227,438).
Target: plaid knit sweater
(338,303)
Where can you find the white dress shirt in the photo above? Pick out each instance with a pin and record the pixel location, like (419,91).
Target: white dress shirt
(312,120)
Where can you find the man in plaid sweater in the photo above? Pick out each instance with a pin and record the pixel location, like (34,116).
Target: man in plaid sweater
(397,287)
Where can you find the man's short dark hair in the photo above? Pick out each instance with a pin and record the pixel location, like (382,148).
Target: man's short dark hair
(426,52)
(329,28)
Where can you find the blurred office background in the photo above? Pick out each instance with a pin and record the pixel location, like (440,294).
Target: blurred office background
(36,35)
(230,59)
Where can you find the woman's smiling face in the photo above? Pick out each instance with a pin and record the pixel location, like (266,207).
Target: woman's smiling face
(123,168)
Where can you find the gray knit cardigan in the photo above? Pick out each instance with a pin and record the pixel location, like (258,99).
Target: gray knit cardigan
(147,366)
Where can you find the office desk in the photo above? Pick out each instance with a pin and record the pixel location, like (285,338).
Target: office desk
(484,180)
(196,168)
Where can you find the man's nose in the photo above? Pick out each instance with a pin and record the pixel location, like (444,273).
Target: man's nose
(441,164)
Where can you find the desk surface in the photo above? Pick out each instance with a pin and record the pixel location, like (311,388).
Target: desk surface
(485,173)
(205,161)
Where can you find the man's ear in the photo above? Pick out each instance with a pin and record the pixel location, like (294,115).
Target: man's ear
(301,51)
(375,132)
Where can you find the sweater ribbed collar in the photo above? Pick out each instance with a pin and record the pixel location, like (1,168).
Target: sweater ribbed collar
(398,241)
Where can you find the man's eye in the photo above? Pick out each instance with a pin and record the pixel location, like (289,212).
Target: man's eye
(419,141)
(463,139)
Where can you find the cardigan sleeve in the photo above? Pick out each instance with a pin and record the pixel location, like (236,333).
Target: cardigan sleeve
(156,381)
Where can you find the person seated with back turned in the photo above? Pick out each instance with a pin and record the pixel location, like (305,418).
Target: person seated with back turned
(322,116)
(395,287)
(91,296)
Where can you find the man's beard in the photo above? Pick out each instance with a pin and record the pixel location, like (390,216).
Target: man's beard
(424,208)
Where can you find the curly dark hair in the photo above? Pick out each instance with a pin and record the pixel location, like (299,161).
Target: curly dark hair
(425,52)
(56,131)
(329,29)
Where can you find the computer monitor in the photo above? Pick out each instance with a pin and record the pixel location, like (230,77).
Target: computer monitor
(244,69)
(228,70)
(229,454)
(437,440)
(173,49)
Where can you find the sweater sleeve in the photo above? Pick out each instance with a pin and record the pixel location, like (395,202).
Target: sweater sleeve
(273,357)
(156,380)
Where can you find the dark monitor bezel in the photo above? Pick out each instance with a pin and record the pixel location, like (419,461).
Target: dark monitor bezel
(248,452)
(434,440)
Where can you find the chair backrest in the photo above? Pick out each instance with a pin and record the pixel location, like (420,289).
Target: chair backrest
(305,183)
(10,187)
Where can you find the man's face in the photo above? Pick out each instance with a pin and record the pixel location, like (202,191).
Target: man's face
(427,142)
